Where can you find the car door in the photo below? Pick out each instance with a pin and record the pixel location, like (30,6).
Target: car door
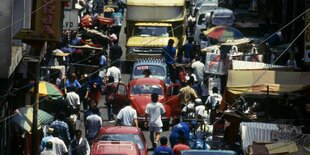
(173,100)
(121,97)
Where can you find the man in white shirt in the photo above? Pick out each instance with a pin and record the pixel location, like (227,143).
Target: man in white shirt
(127,116)
(93,124)
(153,114)
(115,72)
(198,68)
(59,146)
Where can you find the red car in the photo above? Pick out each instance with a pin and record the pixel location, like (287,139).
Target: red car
(139,93)
(121,133)
(114,148)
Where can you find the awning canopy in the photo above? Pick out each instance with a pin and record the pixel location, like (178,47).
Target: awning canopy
(23,117)
(256,81)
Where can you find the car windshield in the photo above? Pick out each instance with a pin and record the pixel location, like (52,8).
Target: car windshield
(146,89)
(123,137)
(152,31)
(155,70)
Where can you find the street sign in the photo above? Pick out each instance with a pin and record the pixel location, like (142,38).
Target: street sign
(70,21)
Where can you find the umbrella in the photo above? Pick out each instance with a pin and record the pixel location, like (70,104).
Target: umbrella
(23,117)
(223,33)
(49,89)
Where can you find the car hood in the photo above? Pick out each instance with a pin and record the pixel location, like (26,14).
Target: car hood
(150,41)
(139,103)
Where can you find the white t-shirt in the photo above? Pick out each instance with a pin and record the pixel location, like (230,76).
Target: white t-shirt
(59,146)
(214,99)
(127,115)
(115,72)
(73,99)
(199,68)
(155,110)
(200,110)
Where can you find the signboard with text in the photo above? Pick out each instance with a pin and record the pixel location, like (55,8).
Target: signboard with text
(70,21)
(47,25)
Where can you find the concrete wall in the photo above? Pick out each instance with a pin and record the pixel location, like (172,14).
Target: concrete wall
(5,39)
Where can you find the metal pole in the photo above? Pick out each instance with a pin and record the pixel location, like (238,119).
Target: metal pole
(34,129)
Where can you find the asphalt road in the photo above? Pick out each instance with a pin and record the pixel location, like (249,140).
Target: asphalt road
(125,79)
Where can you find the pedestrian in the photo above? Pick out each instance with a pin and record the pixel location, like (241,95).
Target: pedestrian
(153,114)
(84,91)
(163,149)
(187,94)
(48,149)
(188,50)
(46,139)
(92,108)
(182,145)
(198,68)
(95,84)
(109,92)
(59,146)
(213,103)
(182,76)
(169,52)
(115,54)
(127,116)
(93,124)
(147,73)
(79,145)
(201,89)
(72,83)
(61,128)
(118,17)
(178,130)
(114,72)
(74,103)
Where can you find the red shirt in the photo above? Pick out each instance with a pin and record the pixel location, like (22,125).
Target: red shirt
(179,147)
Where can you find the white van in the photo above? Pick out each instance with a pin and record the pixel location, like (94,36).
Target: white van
(222,17)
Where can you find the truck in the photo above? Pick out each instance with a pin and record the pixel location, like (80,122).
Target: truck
(150,24)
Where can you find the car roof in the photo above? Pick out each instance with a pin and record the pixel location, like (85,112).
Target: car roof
(160,62)
(147,81)
(119,129)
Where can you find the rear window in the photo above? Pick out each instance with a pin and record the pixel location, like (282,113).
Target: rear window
(146,89)
(155,70)
(123,137)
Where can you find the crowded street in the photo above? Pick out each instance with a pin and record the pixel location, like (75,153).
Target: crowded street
(155,77)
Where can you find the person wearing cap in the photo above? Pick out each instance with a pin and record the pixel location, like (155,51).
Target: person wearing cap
(46,139)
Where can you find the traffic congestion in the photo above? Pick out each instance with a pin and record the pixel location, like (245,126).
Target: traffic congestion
(177,77)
